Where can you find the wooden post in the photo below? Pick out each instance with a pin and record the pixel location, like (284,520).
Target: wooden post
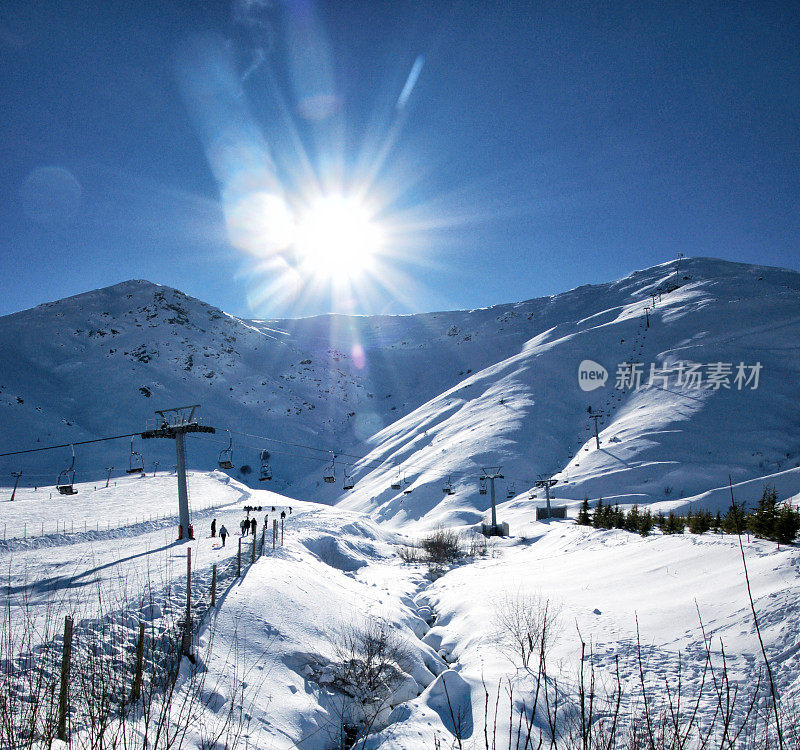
(263,538)
(214,586)
(137,679)
(63,695)
(255,544)
(281,532)
(274,532)
(239,559)
(186,644)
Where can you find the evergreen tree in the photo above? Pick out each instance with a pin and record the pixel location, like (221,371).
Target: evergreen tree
(717,527)
(618,518)
(734,520)
(762,522)
(787,524)
(584,517)
(700,522)
(660,520)
(599,512)
(645,523)
(674,524)
(632,519)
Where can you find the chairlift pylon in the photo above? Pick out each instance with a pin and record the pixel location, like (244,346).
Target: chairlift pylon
(226,454)
(135,462)
(265,470)
(66,479)
(329,473)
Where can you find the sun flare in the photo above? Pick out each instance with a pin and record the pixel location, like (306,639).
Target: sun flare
(337,236)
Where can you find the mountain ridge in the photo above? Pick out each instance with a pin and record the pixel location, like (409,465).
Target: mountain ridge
(495,384)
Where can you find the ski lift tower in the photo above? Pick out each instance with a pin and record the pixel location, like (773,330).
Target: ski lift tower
(491,473)
(547,482)
(174,424)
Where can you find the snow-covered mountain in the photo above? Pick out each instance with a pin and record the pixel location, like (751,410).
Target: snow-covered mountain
(427,396)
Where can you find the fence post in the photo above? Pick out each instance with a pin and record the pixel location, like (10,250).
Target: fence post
(137,680)
(186,644)
(214,586)
(281,532)
(263,538)
(63,695)
(274,532)
(239,559)
(253,555)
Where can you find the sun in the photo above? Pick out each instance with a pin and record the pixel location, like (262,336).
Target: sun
(337,236)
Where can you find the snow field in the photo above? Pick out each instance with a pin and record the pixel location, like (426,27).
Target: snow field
(601,582)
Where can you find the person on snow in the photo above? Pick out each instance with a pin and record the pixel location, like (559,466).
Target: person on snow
(244,526)
(253,525)
(214,527)
(223,532)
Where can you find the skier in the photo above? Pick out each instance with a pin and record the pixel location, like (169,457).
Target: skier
(253,526)
(214,527)
(223,532)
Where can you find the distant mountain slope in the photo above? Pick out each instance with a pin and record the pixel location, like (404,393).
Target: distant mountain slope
(431,396)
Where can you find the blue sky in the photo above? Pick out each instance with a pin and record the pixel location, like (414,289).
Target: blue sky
(542,145)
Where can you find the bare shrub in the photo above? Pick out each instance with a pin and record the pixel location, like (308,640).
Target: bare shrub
(369,666)
(410,553)
(526,625)
(475,544)
(443,546)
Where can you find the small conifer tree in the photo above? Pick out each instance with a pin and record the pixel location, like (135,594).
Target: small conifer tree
(599,513)
(645,523)
(584,516)
(787,524)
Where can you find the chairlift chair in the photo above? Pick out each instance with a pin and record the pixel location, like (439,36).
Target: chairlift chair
(408,489)
(447,488)
(66,479)
(329,473)
(511,490)
(265,471)
(136,462)
(348,483)
(397,485)
(226,454)
(482,487)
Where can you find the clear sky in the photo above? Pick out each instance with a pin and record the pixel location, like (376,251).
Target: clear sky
(490,151)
